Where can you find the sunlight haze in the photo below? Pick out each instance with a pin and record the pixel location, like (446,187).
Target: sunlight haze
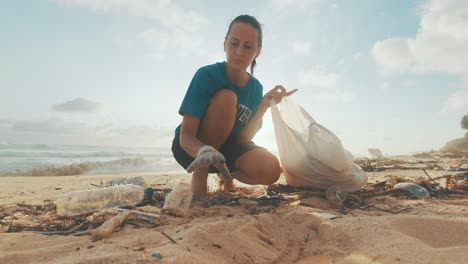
(391,75)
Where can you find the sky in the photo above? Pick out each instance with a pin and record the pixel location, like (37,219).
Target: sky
(380,74)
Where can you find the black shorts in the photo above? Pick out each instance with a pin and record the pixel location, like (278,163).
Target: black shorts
(230,150)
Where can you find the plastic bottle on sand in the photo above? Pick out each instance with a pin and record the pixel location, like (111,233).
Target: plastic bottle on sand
(81,202)
(137,180)
(178,201)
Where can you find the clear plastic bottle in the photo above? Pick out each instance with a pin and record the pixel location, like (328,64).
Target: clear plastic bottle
(137,180)
(178,201)
(81,202)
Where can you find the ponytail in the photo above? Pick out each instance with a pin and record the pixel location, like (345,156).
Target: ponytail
(252,66)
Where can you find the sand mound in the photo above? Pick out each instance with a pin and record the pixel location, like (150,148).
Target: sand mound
(222,235)
(284,237)
(438,233)
(459,144)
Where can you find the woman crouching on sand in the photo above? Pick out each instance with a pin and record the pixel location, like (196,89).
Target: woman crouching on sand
(222,111)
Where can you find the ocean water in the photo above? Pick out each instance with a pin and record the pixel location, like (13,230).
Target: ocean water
(42,159)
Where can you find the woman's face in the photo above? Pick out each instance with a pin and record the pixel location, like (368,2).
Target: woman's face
(241,46)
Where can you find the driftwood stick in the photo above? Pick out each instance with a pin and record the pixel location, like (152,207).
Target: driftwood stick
(106,229)
(302,195)
(103,228)
(378,192)
(439,177)
(138,212)
(78,227)
(429,176)
(23,223)
(447,182)
(63,233)
(168,237)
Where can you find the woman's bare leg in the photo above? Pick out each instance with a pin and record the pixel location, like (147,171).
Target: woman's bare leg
(257,166)
(214,129)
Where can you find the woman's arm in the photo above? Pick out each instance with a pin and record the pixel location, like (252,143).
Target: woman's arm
(204,155)
(188,135)
(253,126)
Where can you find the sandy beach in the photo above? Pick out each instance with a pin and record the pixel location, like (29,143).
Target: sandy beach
(391,230)
(359,112)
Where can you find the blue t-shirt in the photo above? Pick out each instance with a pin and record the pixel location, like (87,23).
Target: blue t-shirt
(210,79)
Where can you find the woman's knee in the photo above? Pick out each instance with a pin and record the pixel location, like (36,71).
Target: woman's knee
(268,169)
(219,119)
(225,97)
(271,170)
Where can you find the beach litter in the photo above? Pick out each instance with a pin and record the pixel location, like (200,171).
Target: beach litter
(82,202)
(157,255)
(178,201)
(434,160)
(101,222)
(336,196)
(168,237)
(138,180)
(87,212)
(5,227)
(415,190)
(106,229)
(324,215)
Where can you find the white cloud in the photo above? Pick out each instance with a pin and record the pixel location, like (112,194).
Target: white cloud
(326,86)
(177,32)
(340,62)
(457,103)
(58,130)
(393,54)
(80,105)
(5,121)
(289,8)
(319,80)
(301,47)
(294,4)
(384,86)
(357,55)
(336,96)
(5,124)
(165,42)
(137,131)
(441,44)
(167,12)
(53,126)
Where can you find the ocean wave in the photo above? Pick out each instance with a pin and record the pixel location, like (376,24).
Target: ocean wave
(125,165)
(5,145)
(97,154)
(45,147)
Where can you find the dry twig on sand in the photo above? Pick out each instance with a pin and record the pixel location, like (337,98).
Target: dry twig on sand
(106,229)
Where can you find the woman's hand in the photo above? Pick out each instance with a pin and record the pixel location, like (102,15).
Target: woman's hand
(208,156)
(276,94)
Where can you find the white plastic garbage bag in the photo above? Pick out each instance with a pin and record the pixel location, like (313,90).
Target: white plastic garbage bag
(310,154)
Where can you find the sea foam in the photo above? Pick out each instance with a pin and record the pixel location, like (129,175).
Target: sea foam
(42,160)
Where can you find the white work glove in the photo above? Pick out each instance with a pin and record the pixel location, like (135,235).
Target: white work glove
(208,156)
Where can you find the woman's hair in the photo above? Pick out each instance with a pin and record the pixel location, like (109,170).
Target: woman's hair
(255,24)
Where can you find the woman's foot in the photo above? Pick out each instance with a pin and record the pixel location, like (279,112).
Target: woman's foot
(226,184)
